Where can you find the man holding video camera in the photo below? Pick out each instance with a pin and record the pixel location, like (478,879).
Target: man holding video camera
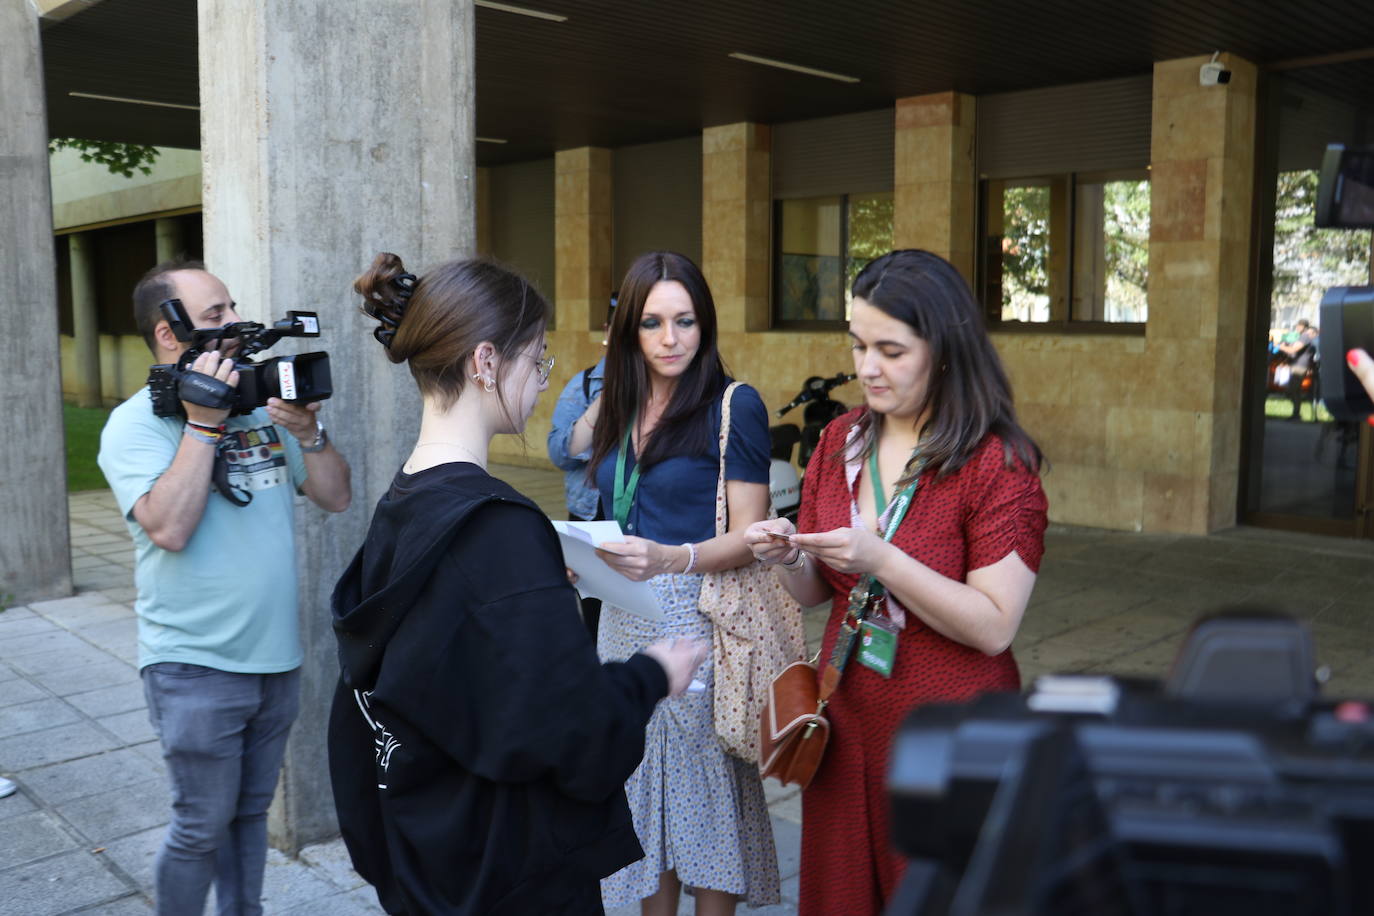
(209,499)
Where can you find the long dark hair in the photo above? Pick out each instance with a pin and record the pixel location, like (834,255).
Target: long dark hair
(969,394)
(439,319)
(685,427)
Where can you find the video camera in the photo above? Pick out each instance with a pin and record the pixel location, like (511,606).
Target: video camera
(1229,788)
(300,379)
(1345,200)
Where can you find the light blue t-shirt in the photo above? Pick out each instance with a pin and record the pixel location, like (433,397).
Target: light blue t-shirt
(228,600)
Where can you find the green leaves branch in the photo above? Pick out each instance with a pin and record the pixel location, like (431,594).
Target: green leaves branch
(120,158)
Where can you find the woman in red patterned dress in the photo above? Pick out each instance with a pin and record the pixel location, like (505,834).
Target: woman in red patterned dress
(957,568)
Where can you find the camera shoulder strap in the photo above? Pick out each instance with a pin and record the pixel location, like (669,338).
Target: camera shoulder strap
(219,476)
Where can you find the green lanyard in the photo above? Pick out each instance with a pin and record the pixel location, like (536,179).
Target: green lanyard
(625,492)
(868,588)
(903,499)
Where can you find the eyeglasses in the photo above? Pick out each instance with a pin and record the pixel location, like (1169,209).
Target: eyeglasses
(545,366)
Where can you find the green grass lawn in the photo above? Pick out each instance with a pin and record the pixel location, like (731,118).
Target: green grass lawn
(83,425)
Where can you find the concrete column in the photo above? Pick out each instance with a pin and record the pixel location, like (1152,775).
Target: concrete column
(359,118)
(482,206)
(35,557)
(170,243)
(583,214)
(736,211)
(1202,175)
(85,329)
(934,184)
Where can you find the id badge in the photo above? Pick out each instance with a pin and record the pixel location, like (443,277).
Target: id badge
(878,645)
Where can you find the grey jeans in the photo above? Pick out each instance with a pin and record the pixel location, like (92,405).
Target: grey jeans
(223,737)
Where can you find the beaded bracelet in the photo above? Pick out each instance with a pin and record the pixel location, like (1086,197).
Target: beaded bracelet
(692,558)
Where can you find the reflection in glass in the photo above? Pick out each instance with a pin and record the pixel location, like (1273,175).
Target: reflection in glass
(1310,460)
(823,244)
(810,260)
(1111,251)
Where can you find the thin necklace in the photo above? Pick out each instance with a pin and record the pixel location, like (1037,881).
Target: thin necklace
(480,462)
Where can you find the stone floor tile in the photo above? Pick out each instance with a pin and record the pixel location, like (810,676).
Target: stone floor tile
(85,615)
(107,816)
(36,715)
(12,626)
(59,783)
(20,690)
(123,594)
(42,662)
(107,701)
(1121,633)
(116,546)
(787,839)
(134,855)
(1052,657)
(46,607)
(1195,566)
(1320,565)
(7,673)
(82,560)
(1357,615)
(20,803)
(32,836)
(788,809)
(111,635)
(1268,556)
(362,902)
(791,889)
(53,745)
(88,677)
(102,576)
(55,640)
(132,727)
(59,885)
(1150,661)
(331,861)
(135,904)
(290,883)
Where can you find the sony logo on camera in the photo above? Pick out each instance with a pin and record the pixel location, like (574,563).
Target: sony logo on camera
(300,378)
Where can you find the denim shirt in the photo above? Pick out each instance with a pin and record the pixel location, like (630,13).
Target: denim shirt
(581,496)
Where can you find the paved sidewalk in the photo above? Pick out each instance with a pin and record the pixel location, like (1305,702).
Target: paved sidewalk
(80,834)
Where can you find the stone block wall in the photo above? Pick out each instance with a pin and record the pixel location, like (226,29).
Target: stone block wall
(1143,433)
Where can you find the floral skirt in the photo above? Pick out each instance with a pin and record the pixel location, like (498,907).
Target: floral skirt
(697,810)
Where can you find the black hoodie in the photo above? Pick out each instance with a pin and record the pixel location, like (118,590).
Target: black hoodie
(477,748)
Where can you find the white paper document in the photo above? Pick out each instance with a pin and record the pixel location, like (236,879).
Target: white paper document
(597,580)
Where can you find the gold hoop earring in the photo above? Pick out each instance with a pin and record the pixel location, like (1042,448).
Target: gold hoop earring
(487,384)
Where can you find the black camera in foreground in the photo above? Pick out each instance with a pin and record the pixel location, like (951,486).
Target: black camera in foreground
(1228,788)
(300,379)
(1345,200)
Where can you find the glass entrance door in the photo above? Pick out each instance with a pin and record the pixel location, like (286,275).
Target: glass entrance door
(1305,470)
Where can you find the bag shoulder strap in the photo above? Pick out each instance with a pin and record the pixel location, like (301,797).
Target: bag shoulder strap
(587,382)
(722,508)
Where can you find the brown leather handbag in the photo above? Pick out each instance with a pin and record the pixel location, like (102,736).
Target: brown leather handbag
(793,730)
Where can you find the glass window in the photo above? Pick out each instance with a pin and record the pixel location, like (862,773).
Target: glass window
(823,243)
(1066,248)
(1018,255)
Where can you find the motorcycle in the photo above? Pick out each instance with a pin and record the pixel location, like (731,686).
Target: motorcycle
(784,483)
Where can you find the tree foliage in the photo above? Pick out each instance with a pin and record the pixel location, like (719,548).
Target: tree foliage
(1126,240)
(120,158)
(1308,260)
(1026,253)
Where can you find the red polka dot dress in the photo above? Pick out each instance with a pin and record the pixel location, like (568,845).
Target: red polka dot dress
(971,518)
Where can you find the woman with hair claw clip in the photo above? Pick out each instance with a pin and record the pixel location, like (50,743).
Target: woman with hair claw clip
(478,749)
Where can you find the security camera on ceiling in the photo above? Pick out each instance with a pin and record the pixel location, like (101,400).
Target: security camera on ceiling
(1213,73)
